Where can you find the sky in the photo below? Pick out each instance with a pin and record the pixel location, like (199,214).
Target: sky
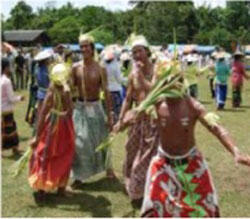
(7,5)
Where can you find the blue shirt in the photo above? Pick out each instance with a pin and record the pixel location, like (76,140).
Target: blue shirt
(222,70)
(42,75)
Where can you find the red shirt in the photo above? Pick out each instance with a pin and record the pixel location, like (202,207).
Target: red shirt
(238,72)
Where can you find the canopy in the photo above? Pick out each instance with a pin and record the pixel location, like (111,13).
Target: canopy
(99,46)
(205,49)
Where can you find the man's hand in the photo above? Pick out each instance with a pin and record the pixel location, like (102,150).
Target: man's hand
(242,159)
(117,127)
(130,117)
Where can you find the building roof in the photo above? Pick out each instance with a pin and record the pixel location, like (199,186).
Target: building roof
(22,35)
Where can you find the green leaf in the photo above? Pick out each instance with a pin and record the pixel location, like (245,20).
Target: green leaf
(17,168)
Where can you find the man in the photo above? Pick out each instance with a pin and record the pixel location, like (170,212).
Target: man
(10,139)
(142,137)
(193,72)
(59,53)
(89,118)
(115,80)
(33,87)
(20,66)
(238,76)
(178,180)
(11,57)
(42,73)
(222,71)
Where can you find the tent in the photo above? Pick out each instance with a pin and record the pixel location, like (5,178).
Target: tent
(99,46)
(179,47)
(205,49)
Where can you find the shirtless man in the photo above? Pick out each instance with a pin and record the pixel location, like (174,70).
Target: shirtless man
(178,180)
(89,118)
(142,138)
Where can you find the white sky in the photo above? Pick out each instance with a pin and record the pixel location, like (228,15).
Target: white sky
(7,5)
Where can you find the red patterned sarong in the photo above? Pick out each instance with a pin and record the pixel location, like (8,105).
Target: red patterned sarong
(179,187)
(51,161)
(141,146)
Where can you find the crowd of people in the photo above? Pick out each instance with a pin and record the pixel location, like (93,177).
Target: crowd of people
(75,103)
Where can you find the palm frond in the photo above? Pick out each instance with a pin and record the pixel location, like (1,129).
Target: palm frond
(21,164)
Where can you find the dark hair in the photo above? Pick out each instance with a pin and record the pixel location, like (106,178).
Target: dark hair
(148,51)
(109,61)
(237,57)
(5,64)
(126,63)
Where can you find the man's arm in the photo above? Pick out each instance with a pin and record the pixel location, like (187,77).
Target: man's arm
(10,93)
(127,104)
(221,134)
(245,75)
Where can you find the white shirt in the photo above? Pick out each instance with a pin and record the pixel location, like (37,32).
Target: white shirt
(114,76)
(8,97)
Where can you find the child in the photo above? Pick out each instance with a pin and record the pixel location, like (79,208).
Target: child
(10,138)
(53,145)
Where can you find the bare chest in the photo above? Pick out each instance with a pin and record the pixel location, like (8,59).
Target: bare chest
(89,76)
(175,116)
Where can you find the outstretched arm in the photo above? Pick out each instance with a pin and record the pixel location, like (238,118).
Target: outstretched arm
(221,133)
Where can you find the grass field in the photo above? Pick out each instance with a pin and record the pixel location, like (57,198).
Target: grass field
(100,197)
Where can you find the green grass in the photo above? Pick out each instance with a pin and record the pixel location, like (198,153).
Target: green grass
(100,197)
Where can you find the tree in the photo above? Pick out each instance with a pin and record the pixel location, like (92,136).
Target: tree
(65,31)
(21,15)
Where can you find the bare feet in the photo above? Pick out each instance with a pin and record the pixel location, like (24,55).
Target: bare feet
(39,196)
(76,184)
(63,192)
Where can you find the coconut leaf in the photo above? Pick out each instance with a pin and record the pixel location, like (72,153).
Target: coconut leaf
(109,140)
(21,164)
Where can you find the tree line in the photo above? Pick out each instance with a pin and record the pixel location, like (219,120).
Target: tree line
(155,20)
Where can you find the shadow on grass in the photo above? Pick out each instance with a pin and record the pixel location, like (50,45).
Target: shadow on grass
(104,184)
(14,157)
(97,206)
(245,107)
(206,102)
(233,110)
(22,138)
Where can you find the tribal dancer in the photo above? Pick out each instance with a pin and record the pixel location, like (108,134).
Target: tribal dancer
(53,145)
(142,137)
(89,118)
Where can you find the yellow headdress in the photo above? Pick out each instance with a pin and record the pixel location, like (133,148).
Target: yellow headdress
(59,75)
(86,37)
(137,40)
